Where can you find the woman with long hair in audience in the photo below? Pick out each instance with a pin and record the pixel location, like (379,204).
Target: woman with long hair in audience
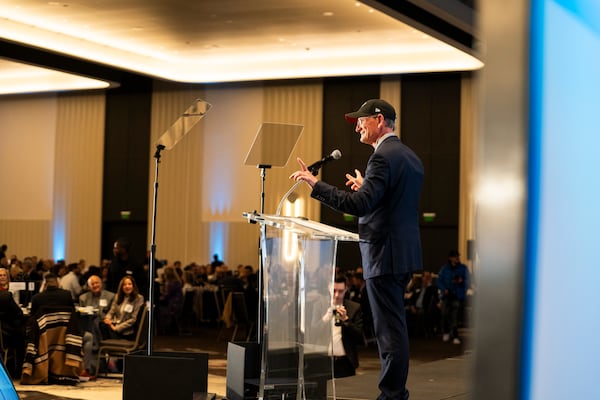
(120,321)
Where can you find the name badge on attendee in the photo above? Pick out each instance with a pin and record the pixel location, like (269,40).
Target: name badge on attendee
(103,303)
(128,308)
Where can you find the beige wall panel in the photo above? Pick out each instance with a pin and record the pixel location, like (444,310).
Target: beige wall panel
(178,222)
(228,186)
(27,131)
(78,168)
(204,186)
(26,238)
(295,104)
(391,90)
(468,151)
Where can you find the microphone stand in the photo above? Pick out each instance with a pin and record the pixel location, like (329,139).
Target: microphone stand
(313,169)
(285,196)
(151,264)
(261,303)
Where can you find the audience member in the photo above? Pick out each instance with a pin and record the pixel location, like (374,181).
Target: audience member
(60,269)
(123,265)
(453,281)
(97,297)
(52,296)
(83,270)
(30,272)
(13,336)
(200,275)
(346,321)
(216,262)
(99,300)
(188,281)
(85,277)
(16,272)
(70,281)
(170,301)
(4,279)
(120,321)
(250,286)
(359,295)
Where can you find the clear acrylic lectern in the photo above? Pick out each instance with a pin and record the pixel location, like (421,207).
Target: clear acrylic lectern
(298,269)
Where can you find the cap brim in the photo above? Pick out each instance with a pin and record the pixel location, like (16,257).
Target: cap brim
(354,116)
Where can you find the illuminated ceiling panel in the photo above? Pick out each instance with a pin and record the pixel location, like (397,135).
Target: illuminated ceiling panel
(22,78)
(230,40)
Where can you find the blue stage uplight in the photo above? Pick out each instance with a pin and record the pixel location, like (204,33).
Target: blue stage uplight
(219,233)
(58,239)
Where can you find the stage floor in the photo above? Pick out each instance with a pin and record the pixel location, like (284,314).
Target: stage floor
(438,371)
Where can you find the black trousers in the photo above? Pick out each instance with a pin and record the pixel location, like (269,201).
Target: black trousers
(342,367)
(386,298)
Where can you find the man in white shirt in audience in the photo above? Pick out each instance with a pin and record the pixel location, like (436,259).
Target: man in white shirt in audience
(70,281)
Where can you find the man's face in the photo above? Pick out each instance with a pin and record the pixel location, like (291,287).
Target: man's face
(95,284)
(369,129)
(339,291)
(3,276)
(118,250)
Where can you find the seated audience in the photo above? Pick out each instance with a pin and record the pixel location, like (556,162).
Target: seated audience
(120,321)
(52,297)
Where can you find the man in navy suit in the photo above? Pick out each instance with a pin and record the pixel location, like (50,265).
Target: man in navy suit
(386,202)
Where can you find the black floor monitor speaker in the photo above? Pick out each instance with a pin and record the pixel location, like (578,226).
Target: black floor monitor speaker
(172,376)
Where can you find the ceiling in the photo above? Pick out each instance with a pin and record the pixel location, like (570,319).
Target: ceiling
(231,40)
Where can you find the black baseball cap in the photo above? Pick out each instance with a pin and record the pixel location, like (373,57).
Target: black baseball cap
(373,107)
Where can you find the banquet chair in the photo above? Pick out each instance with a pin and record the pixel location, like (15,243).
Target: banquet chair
(119,348)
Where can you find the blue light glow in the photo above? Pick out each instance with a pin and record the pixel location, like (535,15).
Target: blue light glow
(219,232)
(58,238)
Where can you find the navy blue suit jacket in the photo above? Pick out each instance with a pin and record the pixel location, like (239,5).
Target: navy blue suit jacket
(387,207)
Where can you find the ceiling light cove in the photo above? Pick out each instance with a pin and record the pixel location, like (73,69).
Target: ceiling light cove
(21,78)
(225,41)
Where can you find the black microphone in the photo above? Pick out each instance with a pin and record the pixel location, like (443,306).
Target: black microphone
(316,166)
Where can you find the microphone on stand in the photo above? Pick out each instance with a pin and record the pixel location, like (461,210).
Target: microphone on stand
(316,166)
(314,169)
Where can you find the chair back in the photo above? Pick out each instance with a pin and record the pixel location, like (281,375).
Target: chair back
(142,327)
(1,337)
(239,308)
(3,350)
